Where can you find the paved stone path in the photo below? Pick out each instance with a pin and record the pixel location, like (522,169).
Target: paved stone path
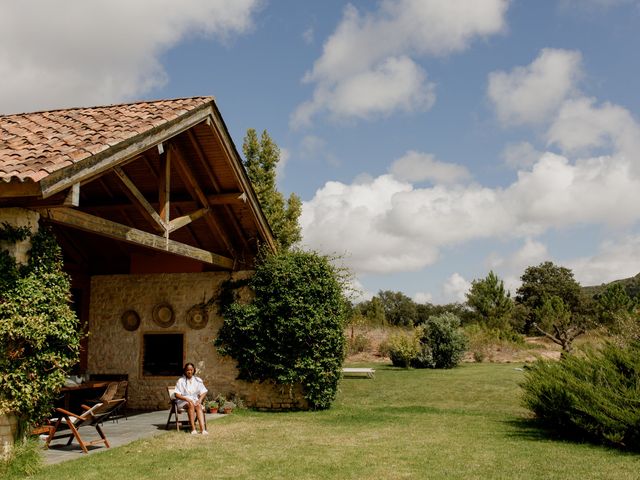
(138,425)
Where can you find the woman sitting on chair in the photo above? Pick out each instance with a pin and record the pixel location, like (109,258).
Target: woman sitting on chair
(190,392)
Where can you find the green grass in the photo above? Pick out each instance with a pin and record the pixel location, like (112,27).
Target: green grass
(462,423)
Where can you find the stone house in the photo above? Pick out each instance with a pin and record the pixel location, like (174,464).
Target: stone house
(154,211)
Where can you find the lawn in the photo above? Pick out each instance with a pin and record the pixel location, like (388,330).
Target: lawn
(461,423)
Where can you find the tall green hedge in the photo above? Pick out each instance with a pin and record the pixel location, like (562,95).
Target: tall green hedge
(39,334)
(293,330)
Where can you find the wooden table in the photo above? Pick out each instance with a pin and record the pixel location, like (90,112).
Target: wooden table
(82,389)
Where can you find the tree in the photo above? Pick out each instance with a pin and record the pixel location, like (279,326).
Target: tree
(39,334)
(292,331)
(398,308)
(614,302)
(261,159)
(559,323)
(545,281)
(373,311)
(490,301)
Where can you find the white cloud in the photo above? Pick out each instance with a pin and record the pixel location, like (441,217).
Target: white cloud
(416,167)
(455,289)
(384,224)
(533,93)
(87,53)
(511,267)
(581,126)
(373,52)
(615,259)
(422,297)
(520,155)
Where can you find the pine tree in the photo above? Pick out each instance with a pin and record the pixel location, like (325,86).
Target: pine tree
(491,301)
(261,159)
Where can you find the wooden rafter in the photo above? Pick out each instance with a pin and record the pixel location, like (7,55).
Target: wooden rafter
(184,220)
(219,130)
(139,200)
(235,198)
(164,187)
(124,233)
(207,168)
(194,189)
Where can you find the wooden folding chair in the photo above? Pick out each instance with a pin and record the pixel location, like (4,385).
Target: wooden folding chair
(67,424)
(175,411)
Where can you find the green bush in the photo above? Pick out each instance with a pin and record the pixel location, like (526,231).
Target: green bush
(402,349)
(39,334)
(595,395)
(293,330)
(442,337)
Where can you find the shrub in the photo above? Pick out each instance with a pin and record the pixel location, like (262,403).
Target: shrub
(358,343)
(293,330)
(595,395)
(482,340)
(442,337)
(39,335)
(402,349)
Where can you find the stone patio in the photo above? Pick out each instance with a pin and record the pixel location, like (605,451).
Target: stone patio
(137,425)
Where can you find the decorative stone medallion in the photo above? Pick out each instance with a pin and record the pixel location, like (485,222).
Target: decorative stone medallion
(130,320)
(163,315)
(197,317)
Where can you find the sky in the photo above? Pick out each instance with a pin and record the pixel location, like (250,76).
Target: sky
(431,141)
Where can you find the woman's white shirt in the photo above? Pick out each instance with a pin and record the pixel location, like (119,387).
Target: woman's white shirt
(191,388)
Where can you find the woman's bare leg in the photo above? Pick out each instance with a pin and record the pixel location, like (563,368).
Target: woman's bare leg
(190,414)
(200,414)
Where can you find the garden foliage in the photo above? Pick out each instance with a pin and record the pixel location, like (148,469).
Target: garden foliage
(402,349)
(438,343)
(595,395)
(39,334)
(293,330)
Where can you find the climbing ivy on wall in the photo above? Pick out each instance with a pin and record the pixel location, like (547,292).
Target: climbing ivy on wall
(39,334)
(293,330)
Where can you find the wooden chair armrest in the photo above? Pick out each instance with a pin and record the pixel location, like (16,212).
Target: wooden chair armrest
(67,413)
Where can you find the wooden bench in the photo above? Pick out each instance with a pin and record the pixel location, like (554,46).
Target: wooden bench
(359,372)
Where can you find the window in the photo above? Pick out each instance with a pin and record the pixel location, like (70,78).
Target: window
(162,355)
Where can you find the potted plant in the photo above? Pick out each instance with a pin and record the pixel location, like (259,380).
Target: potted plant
(212,406)
(227,407)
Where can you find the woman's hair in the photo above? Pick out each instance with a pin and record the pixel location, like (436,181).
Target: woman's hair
(189,364)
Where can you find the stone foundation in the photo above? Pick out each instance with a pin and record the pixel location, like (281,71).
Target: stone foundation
(114,350)
(8,429)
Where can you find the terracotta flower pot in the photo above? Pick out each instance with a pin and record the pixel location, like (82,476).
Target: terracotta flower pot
(213,410)
(227,410)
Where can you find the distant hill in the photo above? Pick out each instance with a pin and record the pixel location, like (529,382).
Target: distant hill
(631,285)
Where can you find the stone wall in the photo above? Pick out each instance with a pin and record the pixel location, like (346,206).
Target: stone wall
(19,217)
(115,350)
(8,427)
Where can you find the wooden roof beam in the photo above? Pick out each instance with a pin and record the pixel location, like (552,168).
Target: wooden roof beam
(207,168)
(180,222)
(140,201)
(194,189)
(124,233)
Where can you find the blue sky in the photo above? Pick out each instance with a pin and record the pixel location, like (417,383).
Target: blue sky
(430,140)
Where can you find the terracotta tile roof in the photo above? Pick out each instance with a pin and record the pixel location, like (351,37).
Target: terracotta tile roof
(34,145)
